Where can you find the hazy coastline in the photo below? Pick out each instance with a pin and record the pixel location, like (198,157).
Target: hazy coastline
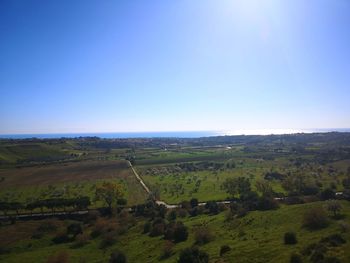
(165,134)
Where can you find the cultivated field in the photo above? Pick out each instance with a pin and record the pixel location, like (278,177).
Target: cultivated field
(289,199)
(178,177)
(69,179)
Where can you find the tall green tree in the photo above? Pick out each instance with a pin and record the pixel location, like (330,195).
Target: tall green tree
(109,193)
(237,185)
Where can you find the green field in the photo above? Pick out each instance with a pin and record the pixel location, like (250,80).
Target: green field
(307,170)
(176,185)
(258,237)
(68,180)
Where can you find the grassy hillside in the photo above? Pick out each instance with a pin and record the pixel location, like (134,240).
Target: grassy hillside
(257,237)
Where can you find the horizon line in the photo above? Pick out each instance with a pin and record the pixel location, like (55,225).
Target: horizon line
(237,132)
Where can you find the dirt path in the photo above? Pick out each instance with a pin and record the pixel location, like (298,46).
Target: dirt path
(160,202)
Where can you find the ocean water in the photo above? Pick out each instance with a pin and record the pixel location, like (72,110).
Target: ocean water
(172,134)
(121,135)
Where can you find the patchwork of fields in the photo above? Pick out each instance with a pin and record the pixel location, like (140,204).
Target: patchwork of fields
(311,171)
(68,179)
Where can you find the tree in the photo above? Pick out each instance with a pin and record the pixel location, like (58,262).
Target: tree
(267,203)
(186,205)
(294,184)
(315,218)
(167,250)
(203,235)
(180,232)
(237,185)
(212,207)
(334,207)
(224,249)
(117,257)
(74,229)
(4,207)
(193,255)
(172,215)
(122,202)
(346,182)
(264,187)
(194,202)
(109,193)
(328,193)
(82,202)
(295,258)
(59,257)
(290,238)
(16,206)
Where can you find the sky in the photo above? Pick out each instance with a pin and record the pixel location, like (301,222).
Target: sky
(127,66)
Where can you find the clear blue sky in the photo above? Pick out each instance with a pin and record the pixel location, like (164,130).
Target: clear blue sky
(104,66)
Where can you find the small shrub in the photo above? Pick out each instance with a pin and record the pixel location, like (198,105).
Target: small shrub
(60,257)
(334,207)
(327,194)
(212,207)
(47,226)
(169,232)
(316,252)
(203,235)
(167,250)
(4,250)
(344,226)
(224,249)
(295,258)
(198,210)
(118,257)
(74,229)
(186,205)
(146,227)
(222,207)
(236,210)
(37,235)
(290,238)
(92,216)
(172,215)
(99,227)
(182,213)
(331,260)
(122,201)
(294,200)
(267,203)
(125,218)
(157,230)
(60,237)
(81,240)
(194,202)
(108,239)
(103,226)
(180,232)
(315,218)
(334,240)
(193,255)
(241,233)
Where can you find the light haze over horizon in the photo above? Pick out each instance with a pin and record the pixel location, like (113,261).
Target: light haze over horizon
(138,66)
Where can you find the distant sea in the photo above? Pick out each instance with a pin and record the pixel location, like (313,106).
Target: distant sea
(172,134)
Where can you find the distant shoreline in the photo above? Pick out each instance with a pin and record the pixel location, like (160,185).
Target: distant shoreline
(169,134)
